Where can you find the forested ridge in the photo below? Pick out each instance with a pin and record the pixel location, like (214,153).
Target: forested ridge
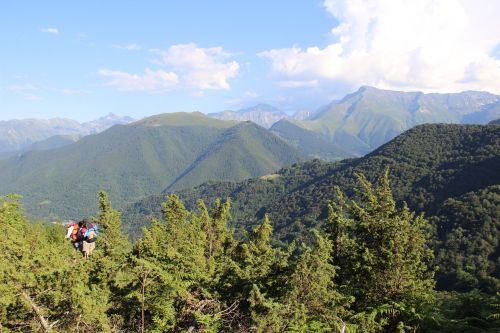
(369,268)
(448,172)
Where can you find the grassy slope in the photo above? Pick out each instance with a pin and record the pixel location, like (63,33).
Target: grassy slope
(128,161)
(307,141)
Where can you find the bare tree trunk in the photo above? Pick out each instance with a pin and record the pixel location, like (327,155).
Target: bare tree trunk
(36,309)
(143,296)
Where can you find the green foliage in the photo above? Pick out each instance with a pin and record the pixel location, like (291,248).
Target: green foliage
(469,227)
(41,285)
(382,255)
(464,312)
(447,172)
(369,270)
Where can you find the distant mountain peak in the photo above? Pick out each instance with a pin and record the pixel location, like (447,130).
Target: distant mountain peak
(261,107)
(262,114)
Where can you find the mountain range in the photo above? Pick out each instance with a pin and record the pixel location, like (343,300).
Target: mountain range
(264,115)
(59,174)
(19,134)
(364,120)
(352,126)
(173,151)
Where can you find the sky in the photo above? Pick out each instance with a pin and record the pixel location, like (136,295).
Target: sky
(85,59)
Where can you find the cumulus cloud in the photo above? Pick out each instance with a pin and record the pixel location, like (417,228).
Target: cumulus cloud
(298,83)
(186,66)
(51,30)
(200,68)
(150,81)
(430,45)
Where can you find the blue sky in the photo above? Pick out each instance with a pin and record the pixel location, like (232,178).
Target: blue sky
(84,59)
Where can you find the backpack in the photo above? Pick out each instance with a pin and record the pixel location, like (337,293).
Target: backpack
(74,233)
(91,234)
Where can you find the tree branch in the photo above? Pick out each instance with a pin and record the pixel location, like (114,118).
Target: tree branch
(38,312)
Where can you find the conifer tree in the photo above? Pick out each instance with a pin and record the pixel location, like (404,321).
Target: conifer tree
(112,241)
(314,301)
(383,258)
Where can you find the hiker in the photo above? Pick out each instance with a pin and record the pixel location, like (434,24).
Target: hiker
(88,235)
(72,234)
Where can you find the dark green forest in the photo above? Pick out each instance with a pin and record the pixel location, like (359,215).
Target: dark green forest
(368,268)
(448,172)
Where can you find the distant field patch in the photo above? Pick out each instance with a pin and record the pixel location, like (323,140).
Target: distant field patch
(270,177)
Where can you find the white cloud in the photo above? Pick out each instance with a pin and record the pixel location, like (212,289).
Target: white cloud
(200,68)
(70,92)
(430,45)
(151,81)
(28,91)
(128,47)
(245,98)
(298,83)
(186,66)
(51,30)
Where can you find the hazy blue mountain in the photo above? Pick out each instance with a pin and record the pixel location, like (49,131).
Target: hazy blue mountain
(19,134)
(262,114)
(304,114)
(99,125)
(53,142)
(129,161)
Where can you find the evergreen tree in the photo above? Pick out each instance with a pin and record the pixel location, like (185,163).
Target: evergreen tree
(314,301)
(112,241)
(383,257)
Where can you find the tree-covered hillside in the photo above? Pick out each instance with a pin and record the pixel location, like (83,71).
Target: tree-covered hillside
(369,269)
(430,165)
(309,142)
(167,151)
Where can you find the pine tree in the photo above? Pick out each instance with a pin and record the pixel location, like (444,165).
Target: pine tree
(383,262)
(112,241)
(314,301)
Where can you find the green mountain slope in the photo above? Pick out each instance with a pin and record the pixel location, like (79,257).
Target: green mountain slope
(56,141)
(370,117)
(307,141)
(130,161)
(431,165)
(240,152)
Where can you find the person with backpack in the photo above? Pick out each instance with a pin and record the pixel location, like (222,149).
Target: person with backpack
(89,236)
(72,234)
